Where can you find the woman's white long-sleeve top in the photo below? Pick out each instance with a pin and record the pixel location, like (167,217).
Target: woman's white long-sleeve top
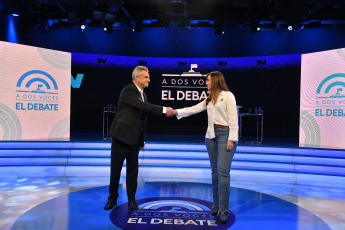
(224,112)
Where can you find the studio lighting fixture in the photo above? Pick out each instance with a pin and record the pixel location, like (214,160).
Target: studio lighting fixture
(219,31)
(15,15)
(82,27)
(218,28)
(290,28)
(108,29)
(138,27)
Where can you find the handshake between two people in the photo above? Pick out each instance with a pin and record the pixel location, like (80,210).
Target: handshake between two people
(170,112)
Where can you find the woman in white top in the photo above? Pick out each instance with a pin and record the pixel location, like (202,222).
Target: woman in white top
(221,137)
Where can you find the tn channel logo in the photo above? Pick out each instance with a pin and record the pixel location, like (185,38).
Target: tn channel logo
(37,90)
(168,212)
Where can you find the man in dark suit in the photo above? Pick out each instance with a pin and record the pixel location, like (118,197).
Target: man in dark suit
(128,131)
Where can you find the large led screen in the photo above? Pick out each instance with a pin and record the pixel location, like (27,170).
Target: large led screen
(322,113)
(35,93)
(269,82)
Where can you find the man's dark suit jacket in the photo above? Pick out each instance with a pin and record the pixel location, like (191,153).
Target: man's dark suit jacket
(129,124)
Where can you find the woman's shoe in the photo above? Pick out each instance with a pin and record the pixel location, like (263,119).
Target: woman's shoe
(214,211)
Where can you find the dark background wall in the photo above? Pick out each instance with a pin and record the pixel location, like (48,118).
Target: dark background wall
(191,44)
(177,42)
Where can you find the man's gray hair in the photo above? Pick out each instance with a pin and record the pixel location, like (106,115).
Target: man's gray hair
(137,71)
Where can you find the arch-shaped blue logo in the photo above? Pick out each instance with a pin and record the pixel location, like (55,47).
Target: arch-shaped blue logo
(37,90)
(169,212)
(37,81)
(336,81)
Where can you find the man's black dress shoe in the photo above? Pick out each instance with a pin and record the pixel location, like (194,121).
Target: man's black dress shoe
(133,205)
(110,204)
(224,217)
(214,211)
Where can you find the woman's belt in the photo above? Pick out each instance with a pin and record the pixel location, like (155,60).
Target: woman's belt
(219,126)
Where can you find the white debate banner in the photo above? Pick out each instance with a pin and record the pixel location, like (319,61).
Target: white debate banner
(35,93)
(322,107)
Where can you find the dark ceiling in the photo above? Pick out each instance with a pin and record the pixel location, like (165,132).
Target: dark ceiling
(174,14)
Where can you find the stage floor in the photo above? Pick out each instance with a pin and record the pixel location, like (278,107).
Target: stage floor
(67,187)
(168,205)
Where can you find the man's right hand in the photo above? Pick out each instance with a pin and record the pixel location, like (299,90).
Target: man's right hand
(170,112)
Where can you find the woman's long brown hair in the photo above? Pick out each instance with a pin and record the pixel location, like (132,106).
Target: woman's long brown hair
(218,84)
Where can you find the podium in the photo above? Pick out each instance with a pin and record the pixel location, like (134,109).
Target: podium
(259,115)
(109,112)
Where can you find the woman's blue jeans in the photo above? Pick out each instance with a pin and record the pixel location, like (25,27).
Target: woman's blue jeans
(220,159)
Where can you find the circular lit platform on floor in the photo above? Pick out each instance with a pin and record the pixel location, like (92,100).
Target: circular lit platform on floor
(167,205)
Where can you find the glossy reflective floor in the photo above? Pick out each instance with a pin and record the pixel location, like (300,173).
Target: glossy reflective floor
(65,200)
(173,205)
(20,195)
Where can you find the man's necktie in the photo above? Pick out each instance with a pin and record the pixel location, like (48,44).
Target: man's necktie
(142,95)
